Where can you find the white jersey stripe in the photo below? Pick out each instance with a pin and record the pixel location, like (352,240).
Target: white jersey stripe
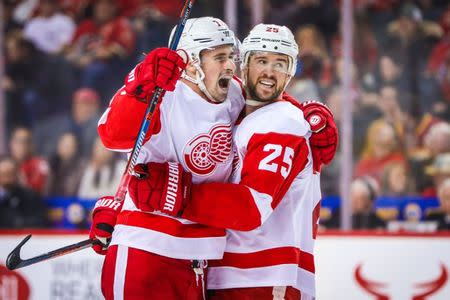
(120,272)
(162,244)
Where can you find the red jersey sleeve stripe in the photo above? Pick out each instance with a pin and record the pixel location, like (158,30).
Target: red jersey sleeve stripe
(120,124)
(265,258)
(167,225)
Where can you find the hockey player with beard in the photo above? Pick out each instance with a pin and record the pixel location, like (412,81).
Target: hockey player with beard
(271,208)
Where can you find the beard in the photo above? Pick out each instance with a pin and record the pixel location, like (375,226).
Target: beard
(253,93)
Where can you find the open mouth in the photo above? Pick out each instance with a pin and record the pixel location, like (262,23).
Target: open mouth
(267,83)
(224,82)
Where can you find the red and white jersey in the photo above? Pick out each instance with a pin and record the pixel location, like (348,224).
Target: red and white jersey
(276,202)
(187,129)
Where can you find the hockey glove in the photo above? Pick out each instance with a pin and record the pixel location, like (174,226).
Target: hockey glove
(164,187)
(324,140)
(104,218)
(162,67)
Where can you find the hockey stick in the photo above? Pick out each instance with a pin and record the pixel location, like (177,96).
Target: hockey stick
(126,177)
(14,261)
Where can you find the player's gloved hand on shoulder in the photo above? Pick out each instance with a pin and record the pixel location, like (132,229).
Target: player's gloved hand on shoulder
(165,187)
(104,217)
(161,67)
(324,140)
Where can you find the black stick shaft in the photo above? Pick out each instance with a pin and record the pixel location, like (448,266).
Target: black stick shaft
(15,262)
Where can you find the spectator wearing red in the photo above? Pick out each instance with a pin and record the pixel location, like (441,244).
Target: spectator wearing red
(33,170)
(101,48)
(381,148)
(105,34)
(439,52)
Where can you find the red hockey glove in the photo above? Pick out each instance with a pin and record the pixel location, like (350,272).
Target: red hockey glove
(324,139)
(160,186)
(162,67)
(104,218)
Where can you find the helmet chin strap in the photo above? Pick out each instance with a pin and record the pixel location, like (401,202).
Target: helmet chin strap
(200,75)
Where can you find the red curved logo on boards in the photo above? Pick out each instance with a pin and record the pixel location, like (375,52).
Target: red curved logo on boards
(13,285)
(419,290)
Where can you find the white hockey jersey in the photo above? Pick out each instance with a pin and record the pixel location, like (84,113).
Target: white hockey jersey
(185,128)
(276,202)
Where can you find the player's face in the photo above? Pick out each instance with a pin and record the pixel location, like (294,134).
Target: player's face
(266,75)
(219,67)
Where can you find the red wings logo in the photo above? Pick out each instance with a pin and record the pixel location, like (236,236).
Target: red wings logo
(205,151)
(423,289)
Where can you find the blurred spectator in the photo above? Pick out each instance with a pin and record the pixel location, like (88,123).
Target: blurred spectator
(443,78)
(35,83)
(391,104)
(19,207)
(50,30)
(395,181)
(102,174)
(413,38)
(9,24)
(390,71)
(321,13)
(314,65)
(442,216)
(363,192)
(441,50)
(17,77)
(82,121)
(367,110)
(24,9)
(440,171)
(381,148)
(33,170)
(436,140)
(151,26)
(66,167)
(100,48)
(365,45)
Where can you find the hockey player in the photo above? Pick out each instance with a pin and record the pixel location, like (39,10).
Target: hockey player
(155,256)
(272,207)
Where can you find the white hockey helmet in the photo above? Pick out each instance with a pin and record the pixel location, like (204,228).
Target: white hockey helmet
(203,33)
(271,38)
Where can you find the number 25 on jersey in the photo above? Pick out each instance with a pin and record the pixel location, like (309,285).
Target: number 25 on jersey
(279,159)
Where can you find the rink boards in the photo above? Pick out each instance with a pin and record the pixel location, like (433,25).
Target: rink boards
(355,265)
